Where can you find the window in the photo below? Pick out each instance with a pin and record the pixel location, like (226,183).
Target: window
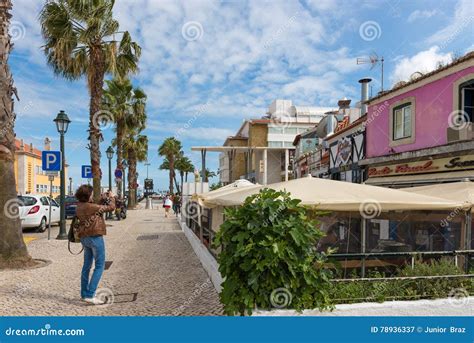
(402,121)
(466,94)
(275,129)
(44,201)
(37,188)
(291,130)
(275,144)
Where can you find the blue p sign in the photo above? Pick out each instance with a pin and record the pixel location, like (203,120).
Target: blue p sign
(51,160)
(86,172)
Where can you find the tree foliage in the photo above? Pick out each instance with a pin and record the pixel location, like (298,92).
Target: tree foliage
(268,252)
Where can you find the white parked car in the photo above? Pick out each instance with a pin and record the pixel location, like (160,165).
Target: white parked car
(34,211)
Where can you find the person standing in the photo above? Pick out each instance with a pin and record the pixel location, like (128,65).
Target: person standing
(91,229)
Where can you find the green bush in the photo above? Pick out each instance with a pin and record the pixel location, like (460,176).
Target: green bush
(268,256)
(390,289)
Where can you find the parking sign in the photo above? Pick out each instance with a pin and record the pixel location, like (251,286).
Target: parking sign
(51,160)
(86,172)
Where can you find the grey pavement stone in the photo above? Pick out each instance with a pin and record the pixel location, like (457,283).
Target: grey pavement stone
(162,276)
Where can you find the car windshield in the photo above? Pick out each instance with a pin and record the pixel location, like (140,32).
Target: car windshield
(71,199)
(26,201)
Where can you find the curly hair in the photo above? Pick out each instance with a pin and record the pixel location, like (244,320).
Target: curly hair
(84,192)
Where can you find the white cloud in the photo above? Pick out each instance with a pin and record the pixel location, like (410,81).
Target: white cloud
(421,14)
(424,61)
(460,26)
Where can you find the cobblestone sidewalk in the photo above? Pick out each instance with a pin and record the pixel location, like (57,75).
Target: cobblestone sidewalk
(154,272)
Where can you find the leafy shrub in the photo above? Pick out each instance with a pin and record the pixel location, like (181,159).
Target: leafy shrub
(390,289)
(268,256)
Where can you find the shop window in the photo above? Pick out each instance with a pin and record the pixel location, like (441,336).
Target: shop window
(466,98)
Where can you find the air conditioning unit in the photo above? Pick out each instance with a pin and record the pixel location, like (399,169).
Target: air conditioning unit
(461,133)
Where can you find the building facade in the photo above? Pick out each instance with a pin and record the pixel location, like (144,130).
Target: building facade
(269,144)
(29,175)
(421,132)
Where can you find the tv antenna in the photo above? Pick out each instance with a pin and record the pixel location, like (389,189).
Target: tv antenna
(374,60)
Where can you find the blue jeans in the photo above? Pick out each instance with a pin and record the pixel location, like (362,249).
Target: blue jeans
(94,249)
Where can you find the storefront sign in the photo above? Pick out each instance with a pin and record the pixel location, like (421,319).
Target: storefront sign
(426,166)
(344,151)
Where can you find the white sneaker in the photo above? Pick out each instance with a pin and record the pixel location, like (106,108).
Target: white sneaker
(94,301)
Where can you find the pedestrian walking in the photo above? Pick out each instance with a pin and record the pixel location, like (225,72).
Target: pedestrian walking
(91,229)
(177,204)
(167,205)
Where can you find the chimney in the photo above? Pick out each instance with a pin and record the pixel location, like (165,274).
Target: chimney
(47,144)
(22,144)
(344,104)
(31,147)
(364,94)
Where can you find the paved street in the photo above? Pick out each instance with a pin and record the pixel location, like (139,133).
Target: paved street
(153,272)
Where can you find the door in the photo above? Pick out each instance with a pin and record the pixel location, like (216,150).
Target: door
(44,208)
(55,215)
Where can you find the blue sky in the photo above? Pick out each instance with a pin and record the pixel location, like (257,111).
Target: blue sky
(207,65)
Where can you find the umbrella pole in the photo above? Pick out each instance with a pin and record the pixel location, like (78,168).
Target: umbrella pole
(467,234)
(363,245)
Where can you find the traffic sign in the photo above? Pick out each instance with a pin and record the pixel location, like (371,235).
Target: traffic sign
(149,184)
(51,177)
(118,174)
(51,173)
(51,160)
(86,172)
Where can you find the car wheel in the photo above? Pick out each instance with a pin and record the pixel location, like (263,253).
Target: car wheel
(42,227)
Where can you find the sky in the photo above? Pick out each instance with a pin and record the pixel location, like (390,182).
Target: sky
(208,65)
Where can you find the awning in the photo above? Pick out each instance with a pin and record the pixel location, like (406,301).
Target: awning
(341,196)
(454,191)
(419,179)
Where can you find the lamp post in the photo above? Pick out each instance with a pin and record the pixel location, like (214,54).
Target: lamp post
(70,186)
(62,123)
(124,166)
(110,155)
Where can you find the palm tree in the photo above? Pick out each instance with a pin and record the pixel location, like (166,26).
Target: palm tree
(135,150)
(80,41)
(166,166)
(184,166)
(171,150)
(209,174)
(13,251)
(125,103)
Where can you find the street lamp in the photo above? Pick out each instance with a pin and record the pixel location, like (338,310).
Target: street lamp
(110,155)
(124,166)
(62,123)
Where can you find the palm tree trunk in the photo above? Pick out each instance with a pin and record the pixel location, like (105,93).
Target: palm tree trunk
(182,177)
(171,163)
(13,251)
(176,183)
(96,84)
(120,132)
(132,179)
(186,176)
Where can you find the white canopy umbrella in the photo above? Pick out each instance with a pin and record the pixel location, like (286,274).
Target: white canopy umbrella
(225,190)
(340,196)
(462,191)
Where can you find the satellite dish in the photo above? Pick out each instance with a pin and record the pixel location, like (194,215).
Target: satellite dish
(326,126)
(416,75)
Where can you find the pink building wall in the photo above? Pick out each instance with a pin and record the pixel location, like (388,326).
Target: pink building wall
(434,103)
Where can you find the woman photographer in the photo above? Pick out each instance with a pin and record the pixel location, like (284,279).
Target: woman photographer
(91,231)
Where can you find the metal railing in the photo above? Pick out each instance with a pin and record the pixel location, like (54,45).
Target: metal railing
(411,256)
